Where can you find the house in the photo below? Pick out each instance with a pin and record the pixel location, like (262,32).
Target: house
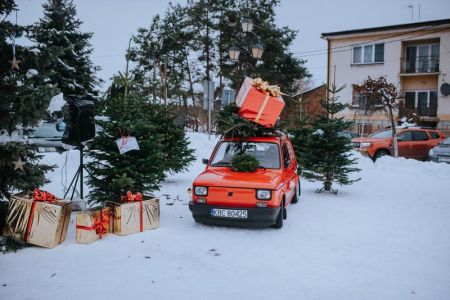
(306,104)
(415,57)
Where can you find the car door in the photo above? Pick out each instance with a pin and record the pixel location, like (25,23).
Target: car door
(404,140)
(420,144)
(288,172)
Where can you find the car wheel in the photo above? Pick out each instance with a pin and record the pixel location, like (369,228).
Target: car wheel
(280,218)
(297,194)
(379,154)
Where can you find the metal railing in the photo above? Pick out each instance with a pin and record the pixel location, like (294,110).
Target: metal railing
(421,64)
(419,111)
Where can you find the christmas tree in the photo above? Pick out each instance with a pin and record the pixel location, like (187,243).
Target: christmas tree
(323,154)
(24,98)
(67,49)
(163,148)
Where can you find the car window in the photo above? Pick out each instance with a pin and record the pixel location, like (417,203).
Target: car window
(382,134)
(286,157)
(420,136)
(47,130)
(268,154)
(434,135)
(405,136)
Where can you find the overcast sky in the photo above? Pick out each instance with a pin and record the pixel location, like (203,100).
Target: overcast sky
(114,21)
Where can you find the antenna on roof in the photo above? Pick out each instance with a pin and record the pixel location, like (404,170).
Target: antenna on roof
(419,11)
(411,6)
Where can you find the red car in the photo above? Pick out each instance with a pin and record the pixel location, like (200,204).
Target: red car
(413,142)
(222,196)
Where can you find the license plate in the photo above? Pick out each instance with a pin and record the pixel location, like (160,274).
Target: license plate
(229,213)
(445,159)
(47,149)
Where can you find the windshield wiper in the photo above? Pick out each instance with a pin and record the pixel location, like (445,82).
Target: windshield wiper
(221,164)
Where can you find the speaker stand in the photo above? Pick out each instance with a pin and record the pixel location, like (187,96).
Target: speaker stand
(78,177)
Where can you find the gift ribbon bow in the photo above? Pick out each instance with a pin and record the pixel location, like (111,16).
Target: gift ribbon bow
(130,197)
(38,196)
(265,87)
(100,225)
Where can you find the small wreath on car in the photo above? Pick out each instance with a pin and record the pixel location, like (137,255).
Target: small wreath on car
(244,163)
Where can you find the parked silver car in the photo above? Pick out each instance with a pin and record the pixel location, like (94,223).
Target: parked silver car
(440,153)
(46,137)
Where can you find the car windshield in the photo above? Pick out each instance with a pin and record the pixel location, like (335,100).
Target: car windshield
(47,130)
(382,134)
(268,154)
(446,141)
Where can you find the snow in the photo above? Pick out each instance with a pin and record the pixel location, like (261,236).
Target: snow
(31,73)
(66,66)
(57,103)
(384,237)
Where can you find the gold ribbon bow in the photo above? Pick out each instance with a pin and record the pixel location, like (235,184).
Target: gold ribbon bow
(265,87)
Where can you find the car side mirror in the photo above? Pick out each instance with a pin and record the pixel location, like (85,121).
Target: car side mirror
(205,161)
(399,139)
(287,163)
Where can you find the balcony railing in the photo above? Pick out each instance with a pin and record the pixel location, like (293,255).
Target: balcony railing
(421,64)
(419,111)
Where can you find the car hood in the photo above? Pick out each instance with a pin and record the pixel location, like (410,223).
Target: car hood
(369,139)
(442,150)
(225,177)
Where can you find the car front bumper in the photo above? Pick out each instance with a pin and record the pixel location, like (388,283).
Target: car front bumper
(256,216)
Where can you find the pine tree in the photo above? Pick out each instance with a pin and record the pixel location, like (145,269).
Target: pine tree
(163,148)
(24,98)
(58,35)
(324,155)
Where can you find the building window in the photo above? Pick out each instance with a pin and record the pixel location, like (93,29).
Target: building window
(422,103)
(368,54)
(364,102)
(421,59)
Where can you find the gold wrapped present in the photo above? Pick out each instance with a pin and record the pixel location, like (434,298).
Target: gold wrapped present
(38,218)
(135,213)
(93,224)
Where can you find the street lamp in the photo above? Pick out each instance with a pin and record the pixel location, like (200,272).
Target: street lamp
(257,51)
(247,25)
(234,53)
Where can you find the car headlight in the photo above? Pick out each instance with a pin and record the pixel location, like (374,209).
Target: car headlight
(365,145)
(263,194)
(201,190)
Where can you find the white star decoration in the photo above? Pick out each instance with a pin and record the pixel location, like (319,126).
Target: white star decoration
(18,164)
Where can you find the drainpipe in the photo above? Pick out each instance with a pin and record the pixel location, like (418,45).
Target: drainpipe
(328,65)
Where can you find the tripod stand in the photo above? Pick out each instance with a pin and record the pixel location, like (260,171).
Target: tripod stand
(78,176)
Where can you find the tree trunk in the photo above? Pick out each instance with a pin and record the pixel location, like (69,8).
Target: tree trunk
(394,132)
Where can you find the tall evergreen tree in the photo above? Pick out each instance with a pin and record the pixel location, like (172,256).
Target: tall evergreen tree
(24,98)
(163,147)
(58,35)
(323,154)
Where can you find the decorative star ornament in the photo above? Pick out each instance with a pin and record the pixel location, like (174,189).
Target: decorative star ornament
(14,63)
(18,164)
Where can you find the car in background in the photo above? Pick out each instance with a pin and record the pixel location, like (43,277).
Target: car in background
(47,137)
(440,153)
(348,134)
(413,142)
(221,196)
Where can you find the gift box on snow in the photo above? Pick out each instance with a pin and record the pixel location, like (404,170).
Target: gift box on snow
(259,102)
(93,224)
(135,213)
(38,218)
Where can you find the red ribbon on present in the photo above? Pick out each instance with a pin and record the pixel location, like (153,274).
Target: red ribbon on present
(130,197)
(38,196)
(100,225)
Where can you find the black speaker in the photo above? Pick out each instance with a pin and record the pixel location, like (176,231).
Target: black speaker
(79,118)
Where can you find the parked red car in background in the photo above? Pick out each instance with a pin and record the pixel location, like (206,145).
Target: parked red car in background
(413,142)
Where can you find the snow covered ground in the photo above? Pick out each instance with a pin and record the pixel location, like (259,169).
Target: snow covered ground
(385,237)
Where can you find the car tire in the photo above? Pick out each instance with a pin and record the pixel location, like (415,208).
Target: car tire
(280,217)
(379,154)
(296,194)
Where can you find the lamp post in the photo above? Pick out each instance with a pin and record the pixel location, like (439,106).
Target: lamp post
(254,50)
